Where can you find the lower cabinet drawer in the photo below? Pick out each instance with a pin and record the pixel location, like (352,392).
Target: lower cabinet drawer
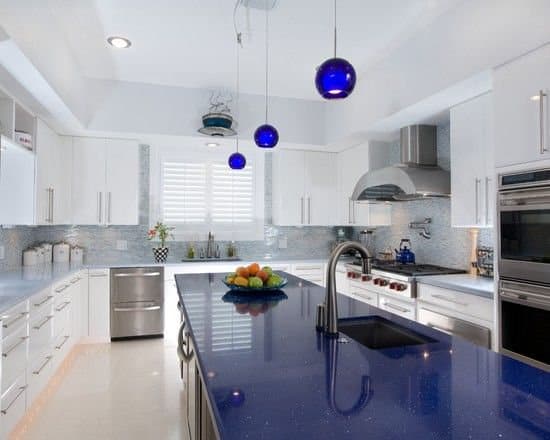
(40,335)
(14,318)
(13,405)
(39,372)
(397,307)
(364,295)
(14,355)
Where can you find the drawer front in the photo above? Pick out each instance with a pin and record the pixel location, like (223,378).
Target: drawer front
(41,334)
(14,355)
(308,269)
(39,372)
(41,302)
(280,267)
(364,295)
(14,318)
(396,307)
(13,404)
(463,303)
(62,316)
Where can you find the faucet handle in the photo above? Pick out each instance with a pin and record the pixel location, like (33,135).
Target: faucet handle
(320,320)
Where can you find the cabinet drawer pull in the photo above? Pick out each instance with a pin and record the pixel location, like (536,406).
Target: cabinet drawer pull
(452,301)
(61,289)
(137,275)
(441,329)
(44,301)
(38,327)
(65,339)
(98,275)
(542,95)
(302,210)
(136,309)
(21,391)
(394,307)
(48,359)
(14,346)
(75,280)
(21,316)
(62,306)
(309,210)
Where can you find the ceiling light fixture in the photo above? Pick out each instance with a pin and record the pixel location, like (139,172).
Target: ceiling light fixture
(237,161)
(119,42)
(336,77)
(266,135)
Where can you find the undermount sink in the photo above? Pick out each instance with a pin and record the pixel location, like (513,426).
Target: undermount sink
(377,332)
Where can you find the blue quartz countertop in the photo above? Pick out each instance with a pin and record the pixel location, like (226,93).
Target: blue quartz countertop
(466,283)
(270,375)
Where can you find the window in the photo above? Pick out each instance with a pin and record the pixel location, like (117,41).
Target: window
(196,192)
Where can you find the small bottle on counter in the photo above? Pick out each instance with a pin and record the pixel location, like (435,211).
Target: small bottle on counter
(191,251)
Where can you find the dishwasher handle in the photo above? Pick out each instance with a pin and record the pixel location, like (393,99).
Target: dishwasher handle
(137,275)
(136,309)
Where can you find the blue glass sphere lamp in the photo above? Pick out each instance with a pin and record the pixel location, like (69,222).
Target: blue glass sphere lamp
(237,161)
(336,77)
(266,135)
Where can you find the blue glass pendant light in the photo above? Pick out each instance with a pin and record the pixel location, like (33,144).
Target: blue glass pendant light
(336,77)
(266,135)
(237,161)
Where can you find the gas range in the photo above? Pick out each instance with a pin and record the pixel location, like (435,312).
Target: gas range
(395,278)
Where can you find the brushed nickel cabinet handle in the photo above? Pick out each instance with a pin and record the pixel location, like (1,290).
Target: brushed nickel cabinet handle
(38,327)
(21,391)
(48,359)
(62,306)
(100,207)
(136,309)
(478,181)
(309,210)
(60,346)
(62,288)
(44,301)
(14,346)
(542,95)
(109,206)
(302,210)
(394,307)
(21,316)
(52,215)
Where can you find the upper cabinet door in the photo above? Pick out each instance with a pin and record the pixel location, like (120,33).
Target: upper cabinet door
(522,120)
(472,163)
(88,198)
(122,182)
(321,189)
(62,194)
(289,199)
(45,172)
(17,176)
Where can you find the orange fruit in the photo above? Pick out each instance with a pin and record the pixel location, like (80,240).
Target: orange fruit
(253,269)
(241,281)
(262,275)
(242,272)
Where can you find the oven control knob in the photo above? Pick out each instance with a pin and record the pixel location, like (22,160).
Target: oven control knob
(366,278)
(401,287)
(350,274)
(383,282)
(394,286)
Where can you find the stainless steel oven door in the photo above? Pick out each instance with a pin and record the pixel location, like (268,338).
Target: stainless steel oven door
(525,322)
(524,234)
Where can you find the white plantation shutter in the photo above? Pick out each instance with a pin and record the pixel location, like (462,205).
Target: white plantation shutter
(197,192)
(184,192)
(233,194)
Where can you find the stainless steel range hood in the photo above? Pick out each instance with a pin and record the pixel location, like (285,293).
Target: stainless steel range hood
(417,177)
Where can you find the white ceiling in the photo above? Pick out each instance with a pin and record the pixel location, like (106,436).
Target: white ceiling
(191,43)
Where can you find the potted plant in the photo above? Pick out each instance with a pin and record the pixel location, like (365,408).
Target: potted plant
(163,233)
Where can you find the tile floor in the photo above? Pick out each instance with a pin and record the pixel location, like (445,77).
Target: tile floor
(123,390)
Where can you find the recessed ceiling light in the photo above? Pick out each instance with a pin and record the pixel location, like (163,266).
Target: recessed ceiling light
(119,42)
(212,144)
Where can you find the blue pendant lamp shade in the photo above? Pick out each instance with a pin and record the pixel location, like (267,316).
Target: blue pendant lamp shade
(237,161)
(266,136)
(335,78)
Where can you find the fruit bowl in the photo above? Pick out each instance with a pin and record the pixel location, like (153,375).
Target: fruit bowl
(255,290)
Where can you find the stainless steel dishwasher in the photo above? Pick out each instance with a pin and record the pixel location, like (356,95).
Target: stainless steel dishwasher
(137,302)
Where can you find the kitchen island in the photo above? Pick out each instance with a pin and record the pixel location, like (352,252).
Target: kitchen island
(267,374)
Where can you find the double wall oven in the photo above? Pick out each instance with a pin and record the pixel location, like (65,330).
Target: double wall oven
(524,265)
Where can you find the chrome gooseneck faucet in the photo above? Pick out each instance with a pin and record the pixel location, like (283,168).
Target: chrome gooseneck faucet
(327,313)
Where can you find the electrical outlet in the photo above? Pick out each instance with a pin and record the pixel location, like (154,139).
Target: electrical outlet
(2,252)
(121,245)
(283,243)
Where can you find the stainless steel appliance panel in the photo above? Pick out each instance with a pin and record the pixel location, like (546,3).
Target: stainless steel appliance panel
(454,326)
(137,302)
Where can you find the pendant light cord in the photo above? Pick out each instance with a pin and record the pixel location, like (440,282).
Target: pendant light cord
(335,26)
(266,59)
(238,36)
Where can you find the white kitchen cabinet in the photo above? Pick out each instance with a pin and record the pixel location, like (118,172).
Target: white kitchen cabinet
(304,188)
(105,181)
(53,176)
(99,327)
(397,307)
(352,164)
(472,163)
(522,120)
(312,272)
(17,176)
(358,291)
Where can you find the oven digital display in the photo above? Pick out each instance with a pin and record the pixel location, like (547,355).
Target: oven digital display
(531,177)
